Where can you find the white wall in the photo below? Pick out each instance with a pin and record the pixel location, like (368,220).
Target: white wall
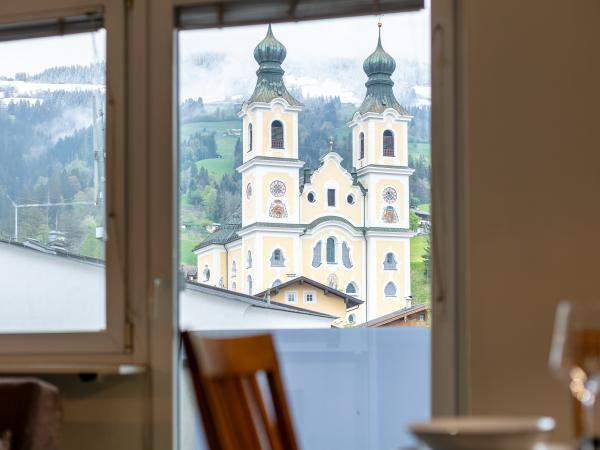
(201,311)
(42,292)
(532,92)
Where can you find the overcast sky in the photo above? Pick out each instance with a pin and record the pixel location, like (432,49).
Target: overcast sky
(35,55)
(406,36)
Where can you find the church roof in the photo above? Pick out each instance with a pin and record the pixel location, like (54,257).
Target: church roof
(225,233)
(379,66)
(269,54)
(349,300)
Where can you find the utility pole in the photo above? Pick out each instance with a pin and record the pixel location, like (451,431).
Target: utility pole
(16,216)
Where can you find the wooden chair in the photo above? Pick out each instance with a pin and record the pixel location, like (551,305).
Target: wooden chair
(239,410)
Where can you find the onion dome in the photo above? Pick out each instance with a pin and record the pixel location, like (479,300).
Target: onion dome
(379,66)
(379,62)
(269,54)
(270,50)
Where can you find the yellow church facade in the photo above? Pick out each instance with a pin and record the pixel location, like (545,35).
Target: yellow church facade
(348,231)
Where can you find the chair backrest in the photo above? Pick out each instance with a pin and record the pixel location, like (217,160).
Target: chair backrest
(240,393)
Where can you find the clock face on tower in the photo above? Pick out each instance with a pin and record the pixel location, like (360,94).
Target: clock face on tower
(277,188)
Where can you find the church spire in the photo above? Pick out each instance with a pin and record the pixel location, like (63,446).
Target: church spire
(379,67)
(269,54)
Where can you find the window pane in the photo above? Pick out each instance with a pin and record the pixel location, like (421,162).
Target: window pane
(317,103)
(52,190)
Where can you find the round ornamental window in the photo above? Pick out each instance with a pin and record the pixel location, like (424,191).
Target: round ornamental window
(350,199)
(389,195)
(249,190)
(277,188)
(311,197)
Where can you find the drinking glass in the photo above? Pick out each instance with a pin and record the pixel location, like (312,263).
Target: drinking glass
(575,358)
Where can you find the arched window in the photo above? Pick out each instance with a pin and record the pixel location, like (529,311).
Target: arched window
(249,285)
(389,215)
(233,269)
(234,286)
(276,283)
(276,134)
(390,263)
(331,250)
(351,288)
(388,143)
(249,259)
(277,259)
(316,261)
(361,139)
(346,255)
(249,137)
(206,273)
(390,289)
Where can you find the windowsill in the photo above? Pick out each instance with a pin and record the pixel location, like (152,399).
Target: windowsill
(395,268)
(332,264)
(108,369)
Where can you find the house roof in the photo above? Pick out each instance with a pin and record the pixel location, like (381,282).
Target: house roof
(396,315)
(36,246)
(349,300)
(225,233)
(252,300)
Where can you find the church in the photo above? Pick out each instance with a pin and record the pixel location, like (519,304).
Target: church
(327,240)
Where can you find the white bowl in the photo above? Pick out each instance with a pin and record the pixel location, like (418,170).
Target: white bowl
(484,432)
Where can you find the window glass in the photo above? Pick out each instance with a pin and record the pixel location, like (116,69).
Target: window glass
(388,143)
(315,97)
(330,250)
(52,183)
(330,197)
(277,134)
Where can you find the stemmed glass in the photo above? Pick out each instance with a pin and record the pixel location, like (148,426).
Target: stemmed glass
(575,358)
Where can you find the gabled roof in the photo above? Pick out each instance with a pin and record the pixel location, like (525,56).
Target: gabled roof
(349,300)
(225,233)
(396,315)
(252,300)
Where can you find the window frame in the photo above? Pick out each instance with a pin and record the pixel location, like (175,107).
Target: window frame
(334,240)
(283,143)
(383,148)
(449,201)
(116,340)
(314,297)
(330,191)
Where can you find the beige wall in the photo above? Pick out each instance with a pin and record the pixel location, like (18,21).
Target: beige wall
(532,88)
(326,304)
(110,413)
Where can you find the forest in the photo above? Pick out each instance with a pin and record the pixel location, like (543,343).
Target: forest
(50,152)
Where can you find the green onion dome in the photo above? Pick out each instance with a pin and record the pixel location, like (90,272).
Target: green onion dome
(269,54)
(270,50)
(379,62)
(379,66)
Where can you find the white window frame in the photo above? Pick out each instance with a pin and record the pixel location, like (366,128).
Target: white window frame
(295,294)
(314,296)
(116,341)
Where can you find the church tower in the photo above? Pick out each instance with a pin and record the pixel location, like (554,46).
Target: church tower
(270,172)
(380,157)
